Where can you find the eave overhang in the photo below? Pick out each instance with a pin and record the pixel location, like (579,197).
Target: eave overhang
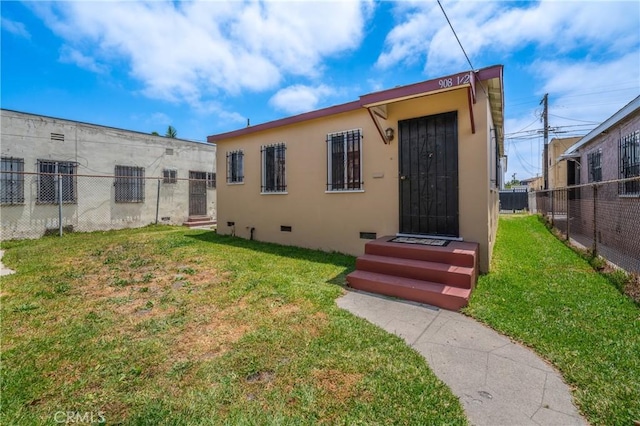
(375,102)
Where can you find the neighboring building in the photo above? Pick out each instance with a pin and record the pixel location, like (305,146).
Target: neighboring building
(557,166)
(422,160)
(610,151)
(35,148)
(534,183)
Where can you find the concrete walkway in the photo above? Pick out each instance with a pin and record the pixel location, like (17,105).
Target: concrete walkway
(498,381)
(4,270)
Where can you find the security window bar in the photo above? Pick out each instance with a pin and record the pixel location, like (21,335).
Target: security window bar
(211,180)
(273,168)
(594,159)
(630,163)
(235,167)
(129,184)
(48,188)
(169,176)
(12,181)
(344,161)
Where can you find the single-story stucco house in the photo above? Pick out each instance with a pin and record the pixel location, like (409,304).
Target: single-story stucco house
(418,161)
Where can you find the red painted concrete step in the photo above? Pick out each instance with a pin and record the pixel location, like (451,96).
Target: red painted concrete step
(457,253)
(436,294)
(194,221)
(452,275)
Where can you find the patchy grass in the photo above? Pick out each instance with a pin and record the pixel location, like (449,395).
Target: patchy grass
(543,294)
(166,326)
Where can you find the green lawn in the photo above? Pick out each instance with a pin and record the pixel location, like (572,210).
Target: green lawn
(162,325)
(543,294)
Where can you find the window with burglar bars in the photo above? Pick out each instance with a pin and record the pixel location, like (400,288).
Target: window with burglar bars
(273,168)
(235,167)
(344,155)
(12,181)
(630,163)
(169,176)
(211,180)
(595,165)
(48,174)
(129,184)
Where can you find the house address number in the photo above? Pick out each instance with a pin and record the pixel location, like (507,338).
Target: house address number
(454,81)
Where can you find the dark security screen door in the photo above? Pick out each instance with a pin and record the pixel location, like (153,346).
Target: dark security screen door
(197,193)
(429,175)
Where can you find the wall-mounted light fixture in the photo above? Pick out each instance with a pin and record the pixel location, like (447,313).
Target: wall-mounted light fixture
(389,133)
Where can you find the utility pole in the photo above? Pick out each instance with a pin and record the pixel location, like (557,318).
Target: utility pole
(545,121)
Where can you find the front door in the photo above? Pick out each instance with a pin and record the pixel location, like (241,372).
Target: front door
(429,175)
(197,193)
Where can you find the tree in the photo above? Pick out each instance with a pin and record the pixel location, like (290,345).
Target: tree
(154,133)
(171,132)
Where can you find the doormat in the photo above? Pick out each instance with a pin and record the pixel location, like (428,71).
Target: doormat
(422,241)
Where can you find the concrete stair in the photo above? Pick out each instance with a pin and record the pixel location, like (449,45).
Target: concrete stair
(439,276)
(199,221)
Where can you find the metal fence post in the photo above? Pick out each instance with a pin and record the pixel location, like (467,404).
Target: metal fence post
(595,221)
(568,195)
(158,202)
(553,216)
(59,177)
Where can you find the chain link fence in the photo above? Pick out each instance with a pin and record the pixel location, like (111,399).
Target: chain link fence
(603,217)
(36,204)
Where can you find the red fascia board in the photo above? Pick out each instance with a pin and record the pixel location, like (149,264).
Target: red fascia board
(336,109)
(377,97)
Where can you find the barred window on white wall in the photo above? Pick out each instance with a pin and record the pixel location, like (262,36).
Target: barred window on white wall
(129,184)
(344,161)
(630,163)
(235,167)
(48,187)
(273,168)
(12,181)
(169,176)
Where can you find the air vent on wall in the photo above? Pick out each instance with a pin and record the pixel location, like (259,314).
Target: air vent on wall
(368,235)
(168,151)
(57,137)
(285,228)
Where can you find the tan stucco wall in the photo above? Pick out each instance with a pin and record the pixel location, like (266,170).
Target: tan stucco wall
(333,221)
(558,168)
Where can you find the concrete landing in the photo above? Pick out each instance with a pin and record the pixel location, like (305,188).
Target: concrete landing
(498,381)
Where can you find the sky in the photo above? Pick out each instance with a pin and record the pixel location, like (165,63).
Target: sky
(206,67)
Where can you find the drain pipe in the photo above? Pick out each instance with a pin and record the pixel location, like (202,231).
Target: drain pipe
(251,230)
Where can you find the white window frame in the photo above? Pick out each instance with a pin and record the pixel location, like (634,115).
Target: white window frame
(235,162)
(331,187)
(273,187)
(65,170)
(169,176)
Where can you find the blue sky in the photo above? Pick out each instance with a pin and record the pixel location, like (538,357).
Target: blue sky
(205,67)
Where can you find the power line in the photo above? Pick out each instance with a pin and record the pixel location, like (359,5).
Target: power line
(456,35)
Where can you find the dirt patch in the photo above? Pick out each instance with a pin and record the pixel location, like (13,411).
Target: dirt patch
(632,289)
(338,384)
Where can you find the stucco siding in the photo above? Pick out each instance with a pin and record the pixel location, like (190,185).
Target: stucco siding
(333,221)
(97,150)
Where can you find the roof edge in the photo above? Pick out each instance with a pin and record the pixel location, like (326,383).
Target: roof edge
(427,86)
(620,115)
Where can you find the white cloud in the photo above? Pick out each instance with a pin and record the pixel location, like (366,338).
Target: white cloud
(73,56)
(195,51)
(16,28)
(495,29)
(299,98)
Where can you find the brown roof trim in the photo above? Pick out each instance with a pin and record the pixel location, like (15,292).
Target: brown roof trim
(372,98)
